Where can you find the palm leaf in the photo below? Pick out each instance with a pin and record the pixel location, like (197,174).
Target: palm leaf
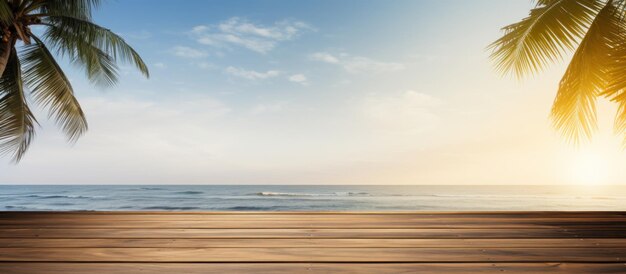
(69,34)
(620,119)
(6,13)
(617,70)
(52,89)
(73,8)
(99,66)
(574,110)
(551,28)
(16,120)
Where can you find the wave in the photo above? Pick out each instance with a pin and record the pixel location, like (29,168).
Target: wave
(63,196)
(62,204)
(426,196)
(16,207)
(300,194)
(254,208)
(170,208)
(190,192)
(496,196)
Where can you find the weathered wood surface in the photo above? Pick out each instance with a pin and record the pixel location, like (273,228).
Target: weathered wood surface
(312,242)
(350,268)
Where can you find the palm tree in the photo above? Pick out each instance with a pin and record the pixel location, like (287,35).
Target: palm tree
(28,68)
(596,31)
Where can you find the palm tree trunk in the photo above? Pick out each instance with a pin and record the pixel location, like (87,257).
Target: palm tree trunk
(5,52)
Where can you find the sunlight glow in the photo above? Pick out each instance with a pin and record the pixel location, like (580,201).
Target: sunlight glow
(589,168)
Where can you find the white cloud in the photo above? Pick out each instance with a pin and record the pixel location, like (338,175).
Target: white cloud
(357,64)
(268,108)
(239,32)
(251,74)
(299,78)
(199,29)
(325,57)
(187,52)
(363,64)
(206,65)
(160,65)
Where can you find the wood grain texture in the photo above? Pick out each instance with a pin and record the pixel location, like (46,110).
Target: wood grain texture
(312,242)
(303,254)
(330,233)
(283,268)
(320,221)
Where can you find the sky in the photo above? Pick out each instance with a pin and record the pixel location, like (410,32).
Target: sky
(317,92)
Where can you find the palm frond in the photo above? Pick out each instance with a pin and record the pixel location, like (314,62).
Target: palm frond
(70,32)
(70,35)
(17,123)
(620,119)
(574,109)
(551,28)
(6,13)
(99,66)
(74,8)
(617,71)
(52,89)
(621,5)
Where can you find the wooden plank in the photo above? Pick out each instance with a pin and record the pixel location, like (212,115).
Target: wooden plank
(65,220)
(434,233)
(329,218)
(280,254)
(236,268)
(199,243)
(209,242)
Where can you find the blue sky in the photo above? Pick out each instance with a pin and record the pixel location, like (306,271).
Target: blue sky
(384,33)
(311,92)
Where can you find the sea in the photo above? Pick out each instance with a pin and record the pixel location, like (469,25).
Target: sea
(309,198)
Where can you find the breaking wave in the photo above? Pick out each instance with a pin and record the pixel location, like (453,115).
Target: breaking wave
(300,194)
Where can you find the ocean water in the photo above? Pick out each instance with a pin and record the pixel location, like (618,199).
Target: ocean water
(308,198)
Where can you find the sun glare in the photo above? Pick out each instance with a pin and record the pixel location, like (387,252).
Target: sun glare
(589,168)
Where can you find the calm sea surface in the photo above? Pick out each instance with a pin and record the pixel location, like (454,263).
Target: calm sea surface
(309,198)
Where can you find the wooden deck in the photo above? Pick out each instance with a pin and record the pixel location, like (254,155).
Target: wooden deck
(206,242)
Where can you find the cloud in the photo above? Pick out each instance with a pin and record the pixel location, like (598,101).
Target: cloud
(263,75)
(241,33)
(325,57)
(299,78)
(409,110)
(251,74)
(363,64)
(187,52)
(357,64)
(268,108)
(206,65)
(160,65)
